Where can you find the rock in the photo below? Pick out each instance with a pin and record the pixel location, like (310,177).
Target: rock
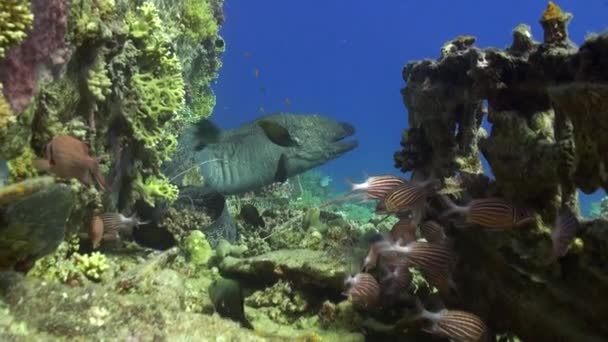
(303,267)
(34,225)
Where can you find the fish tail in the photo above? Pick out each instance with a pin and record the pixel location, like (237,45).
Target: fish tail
(353,186)
(452,209)
(96,172)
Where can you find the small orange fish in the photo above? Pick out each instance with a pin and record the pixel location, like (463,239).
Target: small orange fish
(256,73)
(96,231)
(68,157)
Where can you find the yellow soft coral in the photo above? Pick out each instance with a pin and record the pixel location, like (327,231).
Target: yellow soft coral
(553,12)
(15,21)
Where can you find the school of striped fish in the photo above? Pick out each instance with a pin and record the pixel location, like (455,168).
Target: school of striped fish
(424,244)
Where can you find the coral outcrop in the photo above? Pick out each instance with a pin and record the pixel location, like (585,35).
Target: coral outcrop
(546,111)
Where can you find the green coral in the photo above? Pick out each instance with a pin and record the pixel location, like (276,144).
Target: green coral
(22,167)
(66,265)
(98,81)
(16,19)
(197,247)
(91,265)
(155,187)
(279,302)
(197,20)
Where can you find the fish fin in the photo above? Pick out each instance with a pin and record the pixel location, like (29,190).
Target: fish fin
(281,174)
(48,153)
(96,172)
(277,133)
(206,133)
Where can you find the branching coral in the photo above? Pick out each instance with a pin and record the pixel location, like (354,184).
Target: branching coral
(198,20)
(155,187)
(98,81)
(15,21)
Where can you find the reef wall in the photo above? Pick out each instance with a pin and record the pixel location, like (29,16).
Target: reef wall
(547,107)
(123,77)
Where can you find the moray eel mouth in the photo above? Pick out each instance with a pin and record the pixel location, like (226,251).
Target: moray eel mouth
(339,143)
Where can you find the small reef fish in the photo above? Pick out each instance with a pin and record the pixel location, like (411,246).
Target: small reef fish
(117,222)
(433,232)
(256,73)
(430,257)
(454,324)
(403,231)
(409,196)
(377,187)
(287,101)
(247,54)
(396,280)
(491,212)
(363,290)
(563,233)
(250,214)
(68,157)
(110,226)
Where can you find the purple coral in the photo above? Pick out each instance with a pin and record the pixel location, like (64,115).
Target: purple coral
(43,48)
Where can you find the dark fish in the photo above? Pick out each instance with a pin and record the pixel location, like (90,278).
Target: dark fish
(426,256)
(565,230)
(403,232)
(68,157)
(363,290)
(433,232)
(491,212)
(377,187)
(281,174)
(227,298)
(277,133)
(454,324)
(251,215)
(409,196)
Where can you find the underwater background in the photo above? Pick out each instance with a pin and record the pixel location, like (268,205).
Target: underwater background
(344,59)
(210,170)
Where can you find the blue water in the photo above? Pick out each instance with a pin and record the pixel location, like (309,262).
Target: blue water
(343,58)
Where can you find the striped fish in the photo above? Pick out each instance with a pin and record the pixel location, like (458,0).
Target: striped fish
(491,212)
(440,279)
(409,196)
(428,257)
(117,223)
(456,325)
(371,259)
(565,230)
(433,232)
(363,291)
(403,232)
(377,187)
(396,280)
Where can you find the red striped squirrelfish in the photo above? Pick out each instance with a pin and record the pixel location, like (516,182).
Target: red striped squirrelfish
(454,324)
(377,187)
(363,290)
(492,212)
(563,233)
(409,196)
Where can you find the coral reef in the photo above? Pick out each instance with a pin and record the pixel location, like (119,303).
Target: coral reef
(545,109)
